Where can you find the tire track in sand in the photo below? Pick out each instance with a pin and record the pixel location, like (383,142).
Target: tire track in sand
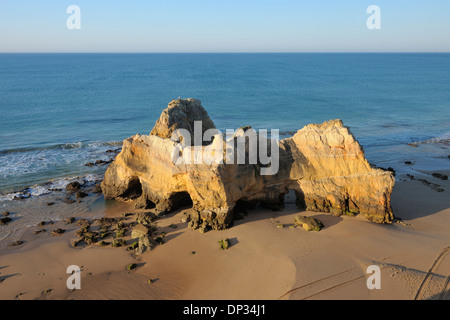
(432,272)
(345,274)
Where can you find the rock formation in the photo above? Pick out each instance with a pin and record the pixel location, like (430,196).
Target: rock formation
(322,163)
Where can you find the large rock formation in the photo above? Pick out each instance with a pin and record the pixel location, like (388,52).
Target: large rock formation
(322,163)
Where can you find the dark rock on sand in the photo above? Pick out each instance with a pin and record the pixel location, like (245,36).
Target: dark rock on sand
(107,222)
(145,218)
(118,243)
(131,266)
(433,186)
(58,232)
(145,243)
(308,223)
(15,243)
(139,231)
(127,214)
(74,186)
(440,176)
(4,221)
(83,223)
(74,243)
(69,220)
(90,237)
(49,203)
(81,194)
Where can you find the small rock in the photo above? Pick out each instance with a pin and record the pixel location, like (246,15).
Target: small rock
(118,242)
(39,231)
(102,162)
(73,186)
(127,214)
(58,232)
(90,237)
(139,231)
(145,243)
(413,145)
(120,233)
(74,243)
(6,213)
(4,221)
(131,266)
(89,164)
(69,220)
(408,162)
(224,244)
(81,194)
(83,223)
(145,218)
(16,243)
(440,176)
(104,235)
(49,203)
(103,243)
(308,223)
(133,246)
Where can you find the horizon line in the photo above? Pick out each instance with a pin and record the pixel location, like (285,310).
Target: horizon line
(212,52)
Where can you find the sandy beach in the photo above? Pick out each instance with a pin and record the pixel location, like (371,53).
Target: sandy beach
(267,259)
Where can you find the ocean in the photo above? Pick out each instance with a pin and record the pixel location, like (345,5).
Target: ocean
(61,111)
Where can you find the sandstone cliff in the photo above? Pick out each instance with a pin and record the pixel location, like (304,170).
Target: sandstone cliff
(322,163)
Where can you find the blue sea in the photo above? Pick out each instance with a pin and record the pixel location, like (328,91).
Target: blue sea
(61,111)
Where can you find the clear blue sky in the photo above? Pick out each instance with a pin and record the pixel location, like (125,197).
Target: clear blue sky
(224,26)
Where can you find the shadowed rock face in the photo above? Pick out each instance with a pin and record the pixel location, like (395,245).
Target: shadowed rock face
(322,163)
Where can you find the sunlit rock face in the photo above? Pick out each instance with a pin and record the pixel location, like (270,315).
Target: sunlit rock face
(323,163)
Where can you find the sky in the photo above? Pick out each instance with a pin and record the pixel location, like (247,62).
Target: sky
(224,26)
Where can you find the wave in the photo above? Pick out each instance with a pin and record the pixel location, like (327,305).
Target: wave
(63,146)
(443,139)
(51,186)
